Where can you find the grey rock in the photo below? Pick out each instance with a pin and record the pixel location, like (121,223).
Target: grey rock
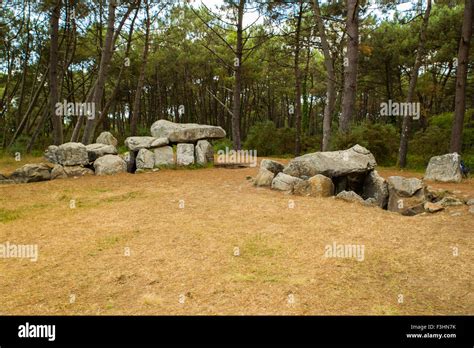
(445,168)
(316,186)
(185,154)
(32,173)
(433,207)
(406,187)
(145,159)
(350,196)
(357,159)
(406,196)
(72,154)
(273,166)
(51,154)
(97,150)
(470,201)
(375,187)
(58,172)
(107,138)
(285,182)
(449,201)
(137,143)
(164,156)
(204,152)
(109,164)
(264,178)
(159,142)
(185,132)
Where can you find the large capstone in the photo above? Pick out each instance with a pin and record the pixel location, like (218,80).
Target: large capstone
(445,168)
(97,150)
(355,160)
(184,154)
(185,132)
(109,164)
(72,154)
(107,138)
(32,173)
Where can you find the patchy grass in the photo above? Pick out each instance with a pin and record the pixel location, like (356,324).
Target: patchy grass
(182,259)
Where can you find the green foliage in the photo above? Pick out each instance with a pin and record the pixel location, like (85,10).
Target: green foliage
(380,139)
(269,140)
(222,144)
(435,139)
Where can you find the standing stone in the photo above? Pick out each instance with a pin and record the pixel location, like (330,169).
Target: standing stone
(145,159)
(204,152)
(72,154)
(185,154)
(264,178)
(406,196)
(109,164)
(316,186)
(164,156)
(273,166)
(107,138)
(284,182)
(51,154)
(445,168)
(376,187)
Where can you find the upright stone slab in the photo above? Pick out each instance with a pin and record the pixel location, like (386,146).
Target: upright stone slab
(445,168)
(51,154)
(406,196)
(376,187)
(145,159)
(185,154)
(204,152)
(164,156)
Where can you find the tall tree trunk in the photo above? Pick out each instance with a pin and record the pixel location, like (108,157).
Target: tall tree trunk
(141,78)
(330,79)
(406,125)
(350,66)
(53,75)
(105,59)
(298,81)
(238,78)
(461,77)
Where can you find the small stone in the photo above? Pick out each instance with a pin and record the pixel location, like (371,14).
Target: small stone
(433,207)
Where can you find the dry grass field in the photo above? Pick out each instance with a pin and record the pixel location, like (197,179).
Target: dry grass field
(164,243)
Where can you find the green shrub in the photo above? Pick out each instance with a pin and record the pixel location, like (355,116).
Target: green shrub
(221,144)
(380,139)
